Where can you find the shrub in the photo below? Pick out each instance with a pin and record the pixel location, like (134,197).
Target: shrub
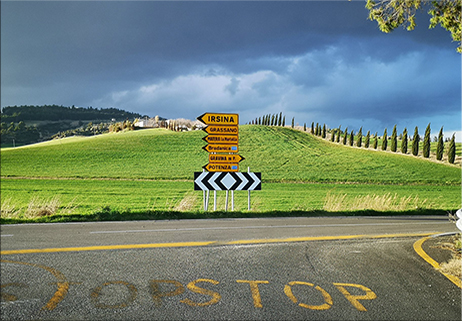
(404,142)
(415,142)
(440,146)
(452,149)
(368,139)
(359,140)
(394,140)
(385,140)
(426,142)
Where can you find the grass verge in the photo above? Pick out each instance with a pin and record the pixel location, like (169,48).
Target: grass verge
(108,214)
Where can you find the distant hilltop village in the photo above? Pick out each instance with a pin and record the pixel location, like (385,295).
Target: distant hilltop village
(180,124)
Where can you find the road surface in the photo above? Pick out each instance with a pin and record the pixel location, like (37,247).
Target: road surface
(361,268)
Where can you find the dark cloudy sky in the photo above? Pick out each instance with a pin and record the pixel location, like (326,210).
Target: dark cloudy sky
(320,61)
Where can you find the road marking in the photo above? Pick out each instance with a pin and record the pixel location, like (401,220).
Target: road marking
(63,284)
(255,291)
(418,248)
(6,235)
(257,227)
(199,244)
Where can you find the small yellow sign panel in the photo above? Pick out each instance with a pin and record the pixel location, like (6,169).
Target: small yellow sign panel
(216,148)
(219,119)
(224,158)
(221,130)
(221,167)
(222,139)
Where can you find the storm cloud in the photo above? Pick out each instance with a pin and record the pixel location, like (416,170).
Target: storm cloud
(320,61)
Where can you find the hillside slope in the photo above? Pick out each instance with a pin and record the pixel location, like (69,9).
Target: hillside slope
(281,154)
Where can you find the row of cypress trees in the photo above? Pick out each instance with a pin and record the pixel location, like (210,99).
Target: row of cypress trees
(270,120)
(349,137)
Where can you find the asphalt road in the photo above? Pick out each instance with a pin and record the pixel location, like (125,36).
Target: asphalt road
(232,269)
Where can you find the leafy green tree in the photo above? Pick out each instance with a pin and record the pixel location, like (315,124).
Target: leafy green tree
(385,140)
(345,136)
(426,142)
(440,146)
(415,142)
(394,140)
(359,139)
(324,131)
(392,14)
(452,149)
(352,138)
(376,140)
(404,142)
(368,139)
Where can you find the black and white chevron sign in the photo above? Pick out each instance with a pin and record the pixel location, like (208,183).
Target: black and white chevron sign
(227,181)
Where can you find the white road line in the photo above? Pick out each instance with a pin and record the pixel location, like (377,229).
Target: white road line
(6,235)
(258,227)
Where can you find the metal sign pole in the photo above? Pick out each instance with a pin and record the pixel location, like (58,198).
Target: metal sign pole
(215,200)
(207,200)
(226,203)
(232,200)
(248,195)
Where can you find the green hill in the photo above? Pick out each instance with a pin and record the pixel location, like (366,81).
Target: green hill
(281,154)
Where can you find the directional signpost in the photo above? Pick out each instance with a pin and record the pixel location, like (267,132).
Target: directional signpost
(222,171)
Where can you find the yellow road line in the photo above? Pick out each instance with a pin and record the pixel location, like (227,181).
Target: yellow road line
(418,248)
(198,244)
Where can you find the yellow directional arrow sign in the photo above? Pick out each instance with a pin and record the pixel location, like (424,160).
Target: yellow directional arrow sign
(216,148)
(221,167)
(221,130)
(219,119)
(222,139)
(223,158)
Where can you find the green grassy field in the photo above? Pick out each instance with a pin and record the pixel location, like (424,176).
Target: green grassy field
(140,173)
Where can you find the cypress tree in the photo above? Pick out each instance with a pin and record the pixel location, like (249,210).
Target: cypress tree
(376,140)
(452,149)
(394,140)
(404,142)
(440,146)
(316,131)
(312,128)
(352,138)
(359,140)
(345,135)
(324,131)
(339,132)
(368,139)
(426,142)
(415,142)
(385,140)
(280,119)
(272,120)
(284,121)
(304,127)
(293,122)
(332,137)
